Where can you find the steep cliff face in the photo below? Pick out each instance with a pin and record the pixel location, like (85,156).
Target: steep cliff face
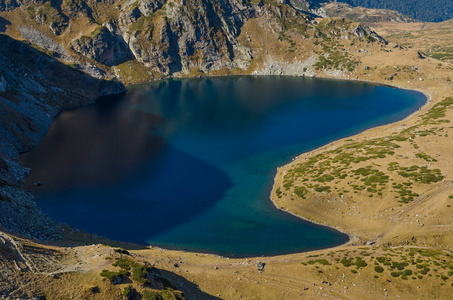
(187,34)
(103,46)
(165,37)
(33,89)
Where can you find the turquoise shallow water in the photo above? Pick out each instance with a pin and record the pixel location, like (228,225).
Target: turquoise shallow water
(189,164)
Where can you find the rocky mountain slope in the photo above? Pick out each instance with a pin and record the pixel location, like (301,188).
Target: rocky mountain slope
(33,89)
(157,38)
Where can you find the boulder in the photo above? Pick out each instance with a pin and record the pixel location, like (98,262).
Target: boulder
(118,279)
(260,265)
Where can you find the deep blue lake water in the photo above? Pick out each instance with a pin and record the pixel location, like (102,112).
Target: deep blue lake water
(189,164)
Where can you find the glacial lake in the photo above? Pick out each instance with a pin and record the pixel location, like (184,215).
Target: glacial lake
(189,163)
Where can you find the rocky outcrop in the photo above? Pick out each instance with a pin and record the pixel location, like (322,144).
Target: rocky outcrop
(152,276)
(148,7)
(176,37)
(103,46)
(34,88)
(129,16)
(310,6)
(363,31)
(198,34)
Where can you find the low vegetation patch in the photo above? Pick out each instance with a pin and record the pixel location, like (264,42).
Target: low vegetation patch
(322,173)
(112,275)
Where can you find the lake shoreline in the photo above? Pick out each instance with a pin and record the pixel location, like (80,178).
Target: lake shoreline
(351,238)
(358,136)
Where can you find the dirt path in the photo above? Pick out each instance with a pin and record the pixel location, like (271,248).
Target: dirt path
(432,192)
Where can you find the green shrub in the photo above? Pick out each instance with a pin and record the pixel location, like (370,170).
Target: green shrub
(151,295)
(126,291)
(139,273)
(381,259)
(407,272)
(300,191)
(379,269)
(111,275)
(425,270)
(278,192)
(323,262)
(395,274)
(347,262)
(123,263)
(360,263)
(322,189)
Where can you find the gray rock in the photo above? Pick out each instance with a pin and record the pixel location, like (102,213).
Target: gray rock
(117,280)
(148,7)
(38,38)
(260,265)
(153,275)
(363,31)
(103,47)
(130,16)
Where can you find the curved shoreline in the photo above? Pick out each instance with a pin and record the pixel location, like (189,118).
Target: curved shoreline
(351,237)
(321,149)
(345,240)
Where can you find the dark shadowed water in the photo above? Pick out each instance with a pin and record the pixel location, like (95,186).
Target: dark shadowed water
(189,164)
